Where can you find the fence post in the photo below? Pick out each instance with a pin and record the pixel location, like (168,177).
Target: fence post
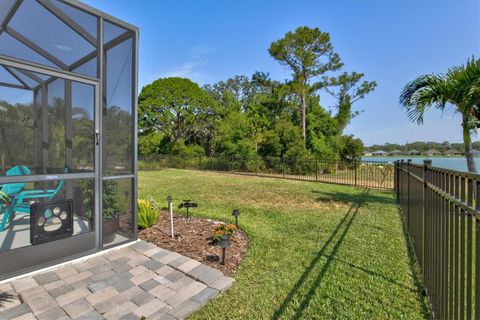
(283,167)
(211,163)
(426,165)
(396,174)
(409,161)
(256,165)
(402,192)
(316,169)
(355,164)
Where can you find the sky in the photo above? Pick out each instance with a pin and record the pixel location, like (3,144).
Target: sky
(391,41)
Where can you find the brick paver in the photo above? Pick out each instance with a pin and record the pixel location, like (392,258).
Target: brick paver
(140,280)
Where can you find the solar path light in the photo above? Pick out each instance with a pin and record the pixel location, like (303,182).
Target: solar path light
(236,213)
(170,210)
(224,243)
(187,204)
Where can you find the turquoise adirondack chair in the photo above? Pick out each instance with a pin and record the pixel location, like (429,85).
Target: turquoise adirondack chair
(8,190)
(22,201)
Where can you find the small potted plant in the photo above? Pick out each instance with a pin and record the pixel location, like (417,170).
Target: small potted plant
(111,210)
(221,237)
(84,201)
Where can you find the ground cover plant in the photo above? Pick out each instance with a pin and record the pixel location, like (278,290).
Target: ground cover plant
(316,251)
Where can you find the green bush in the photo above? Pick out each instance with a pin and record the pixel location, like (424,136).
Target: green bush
(147,214)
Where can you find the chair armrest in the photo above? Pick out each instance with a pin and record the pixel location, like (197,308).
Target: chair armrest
(34,195)
(36,192)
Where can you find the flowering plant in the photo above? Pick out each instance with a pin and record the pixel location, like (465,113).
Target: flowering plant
(223,230)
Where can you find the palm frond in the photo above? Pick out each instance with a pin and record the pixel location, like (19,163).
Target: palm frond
(422,93)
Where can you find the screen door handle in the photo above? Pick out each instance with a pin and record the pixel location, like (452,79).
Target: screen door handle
(97,138)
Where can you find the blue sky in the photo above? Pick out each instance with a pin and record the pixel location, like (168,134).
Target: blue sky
(392,42)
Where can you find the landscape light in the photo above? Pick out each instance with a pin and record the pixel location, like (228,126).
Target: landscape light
(224,243)
(236,213)
(170,210)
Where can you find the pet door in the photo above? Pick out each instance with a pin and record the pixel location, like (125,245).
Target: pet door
(51,221)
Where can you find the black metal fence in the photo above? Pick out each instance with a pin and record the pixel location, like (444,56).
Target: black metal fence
(376,175)
(441,213)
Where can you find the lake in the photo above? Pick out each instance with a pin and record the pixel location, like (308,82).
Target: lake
(453,163)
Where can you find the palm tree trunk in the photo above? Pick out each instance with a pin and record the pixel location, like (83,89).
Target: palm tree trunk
(467,140)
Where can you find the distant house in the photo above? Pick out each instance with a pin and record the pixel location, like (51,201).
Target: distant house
(414,152)
(432,152)
(451,152)
(475,152)
(396,153)
(367,153)
(379,153)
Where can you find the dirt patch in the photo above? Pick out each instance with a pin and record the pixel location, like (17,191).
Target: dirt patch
(193,239)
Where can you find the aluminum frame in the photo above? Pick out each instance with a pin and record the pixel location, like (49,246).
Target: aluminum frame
(28,68)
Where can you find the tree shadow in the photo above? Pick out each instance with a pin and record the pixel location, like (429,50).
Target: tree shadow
(372,227)
(375,274)
(345,223)
(6,297)
(348,198)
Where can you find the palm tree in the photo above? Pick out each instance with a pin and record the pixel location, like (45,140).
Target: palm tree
(460,87)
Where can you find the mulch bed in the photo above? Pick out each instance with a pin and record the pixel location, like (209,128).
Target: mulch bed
(193,239)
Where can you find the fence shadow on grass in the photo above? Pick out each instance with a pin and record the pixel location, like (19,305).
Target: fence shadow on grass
(345,223)
(376,274)
(416,273)
(6,297)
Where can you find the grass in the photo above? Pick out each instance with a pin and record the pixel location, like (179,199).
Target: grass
(317,251)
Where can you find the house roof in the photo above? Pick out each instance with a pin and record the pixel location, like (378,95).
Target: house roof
(379,152)
(451,151)
(414,151)
(395,151)
(432,151)
(475,152)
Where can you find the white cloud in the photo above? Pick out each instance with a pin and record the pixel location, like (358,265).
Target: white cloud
(62,47)
(188,69)
(192,67)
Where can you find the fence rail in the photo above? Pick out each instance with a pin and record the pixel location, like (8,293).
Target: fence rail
(375,175)
(441,210)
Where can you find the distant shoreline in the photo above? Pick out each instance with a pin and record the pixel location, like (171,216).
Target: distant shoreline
(416,156)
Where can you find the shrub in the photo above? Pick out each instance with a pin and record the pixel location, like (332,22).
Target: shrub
(223,230)
(147,214)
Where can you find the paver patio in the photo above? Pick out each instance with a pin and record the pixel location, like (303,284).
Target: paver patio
(140,280)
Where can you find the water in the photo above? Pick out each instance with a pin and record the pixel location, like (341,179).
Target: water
(453,163)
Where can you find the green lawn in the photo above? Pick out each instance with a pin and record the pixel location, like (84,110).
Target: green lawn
(317,251)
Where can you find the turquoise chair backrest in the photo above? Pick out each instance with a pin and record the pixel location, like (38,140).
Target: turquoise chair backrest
(18,171)
(13,188)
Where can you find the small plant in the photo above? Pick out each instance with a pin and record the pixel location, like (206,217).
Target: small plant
(112,206)
(223,230)
(4,199)
(147,213)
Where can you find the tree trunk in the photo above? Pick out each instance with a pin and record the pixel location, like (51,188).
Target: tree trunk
(304,115)
(467,140)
